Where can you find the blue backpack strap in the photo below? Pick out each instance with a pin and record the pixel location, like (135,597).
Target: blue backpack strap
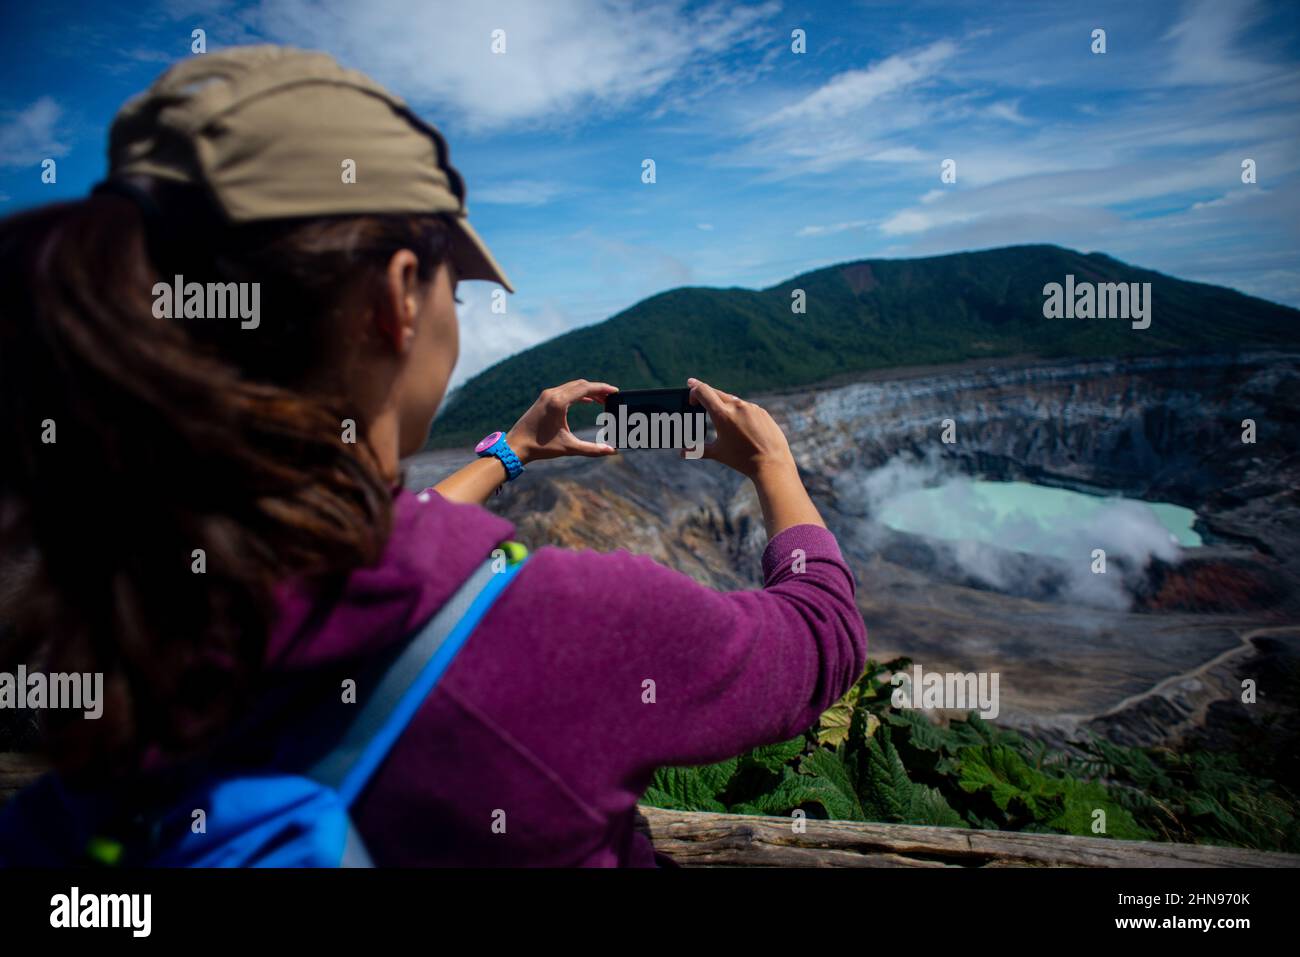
(408,681)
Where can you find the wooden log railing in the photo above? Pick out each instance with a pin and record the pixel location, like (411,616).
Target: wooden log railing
(17,770)
(700,839)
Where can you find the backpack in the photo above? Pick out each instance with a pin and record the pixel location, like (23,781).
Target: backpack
(294,813)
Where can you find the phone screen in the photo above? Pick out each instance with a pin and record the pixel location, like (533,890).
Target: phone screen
(652,419)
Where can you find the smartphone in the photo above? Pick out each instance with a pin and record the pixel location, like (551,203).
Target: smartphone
(653,419)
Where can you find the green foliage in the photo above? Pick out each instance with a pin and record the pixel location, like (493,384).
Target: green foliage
(890,795)
(1027,798)
(868,761)
(861,316)
(686,789)
(1202,796)
(832,781)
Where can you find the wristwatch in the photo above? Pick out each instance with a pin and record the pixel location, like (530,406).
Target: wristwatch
(496,446)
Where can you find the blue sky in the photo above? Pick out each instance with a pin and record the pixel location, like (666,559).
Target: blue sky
(768,162)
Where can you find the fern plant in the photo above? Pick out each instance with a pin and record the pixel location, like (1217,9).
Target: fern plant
(866,760)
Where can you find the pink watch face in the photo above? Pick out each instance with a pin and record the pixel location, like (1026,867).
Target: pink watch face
(487,442)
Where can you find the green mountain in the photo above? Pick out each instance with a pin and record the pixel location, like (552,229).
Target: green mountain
(860,316)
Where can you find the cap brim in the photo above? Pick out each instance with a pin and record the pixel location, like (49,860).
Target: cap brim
(472,257)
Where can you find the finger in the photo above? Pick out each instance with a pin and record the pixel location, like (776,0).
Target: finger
(707,395)
(579,389)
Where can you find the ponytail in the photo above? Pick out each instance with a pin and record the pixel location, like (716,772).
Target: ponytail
(157,481)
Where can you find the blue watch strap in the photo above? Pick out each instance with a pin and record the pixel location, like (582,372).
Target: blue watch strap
(502,451)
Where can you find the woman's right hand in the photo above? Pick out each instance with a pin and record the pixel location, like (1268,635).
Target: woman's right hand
(748,438)
(750,441)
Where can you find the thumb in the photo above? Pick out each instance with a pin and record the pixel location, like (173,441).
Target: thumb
(577,446)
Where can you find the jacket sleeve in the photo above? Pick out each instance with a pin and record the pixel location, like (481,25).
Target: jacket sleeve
(675,672)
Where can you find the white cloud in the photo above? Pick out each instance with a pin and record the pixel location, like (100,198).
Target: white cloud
(1089,188)
(851,91)
(523,193)
(833,228)
(31,135)
(147,55)
(857,116)
(1224,200)
(1146,177)
(560,56)
(897,154)
(1205,44)
(1006,110)
(487,337)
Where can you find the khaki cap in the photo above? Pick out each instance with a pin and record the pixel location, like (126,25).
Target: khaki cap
(266,130)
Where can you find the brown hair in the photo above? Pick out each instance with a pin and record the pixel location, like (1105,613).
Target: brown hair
(175,435)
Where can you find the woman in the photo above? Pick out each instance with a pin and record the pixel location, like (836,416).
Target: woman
(210,500)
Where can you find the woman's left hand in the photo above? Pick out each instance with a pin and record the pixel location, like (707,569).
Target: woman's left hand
(543,431)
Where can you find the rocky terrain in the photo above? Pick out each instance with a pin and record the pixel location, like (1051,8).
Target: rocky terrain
(1164,669)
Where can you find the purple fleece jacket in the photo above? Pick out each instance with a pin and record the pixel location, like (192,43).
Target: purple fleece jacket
(539,740)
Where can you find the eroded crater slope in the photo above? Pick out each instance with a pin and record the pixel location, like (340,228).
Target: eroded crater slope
(1164,665)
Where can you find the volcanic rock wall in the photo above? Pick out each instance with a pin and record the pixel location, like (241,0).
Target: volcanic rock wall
(1167,429)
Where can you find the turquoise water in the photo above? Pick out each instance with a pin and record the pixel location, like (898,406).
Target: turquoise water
(1038,519)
